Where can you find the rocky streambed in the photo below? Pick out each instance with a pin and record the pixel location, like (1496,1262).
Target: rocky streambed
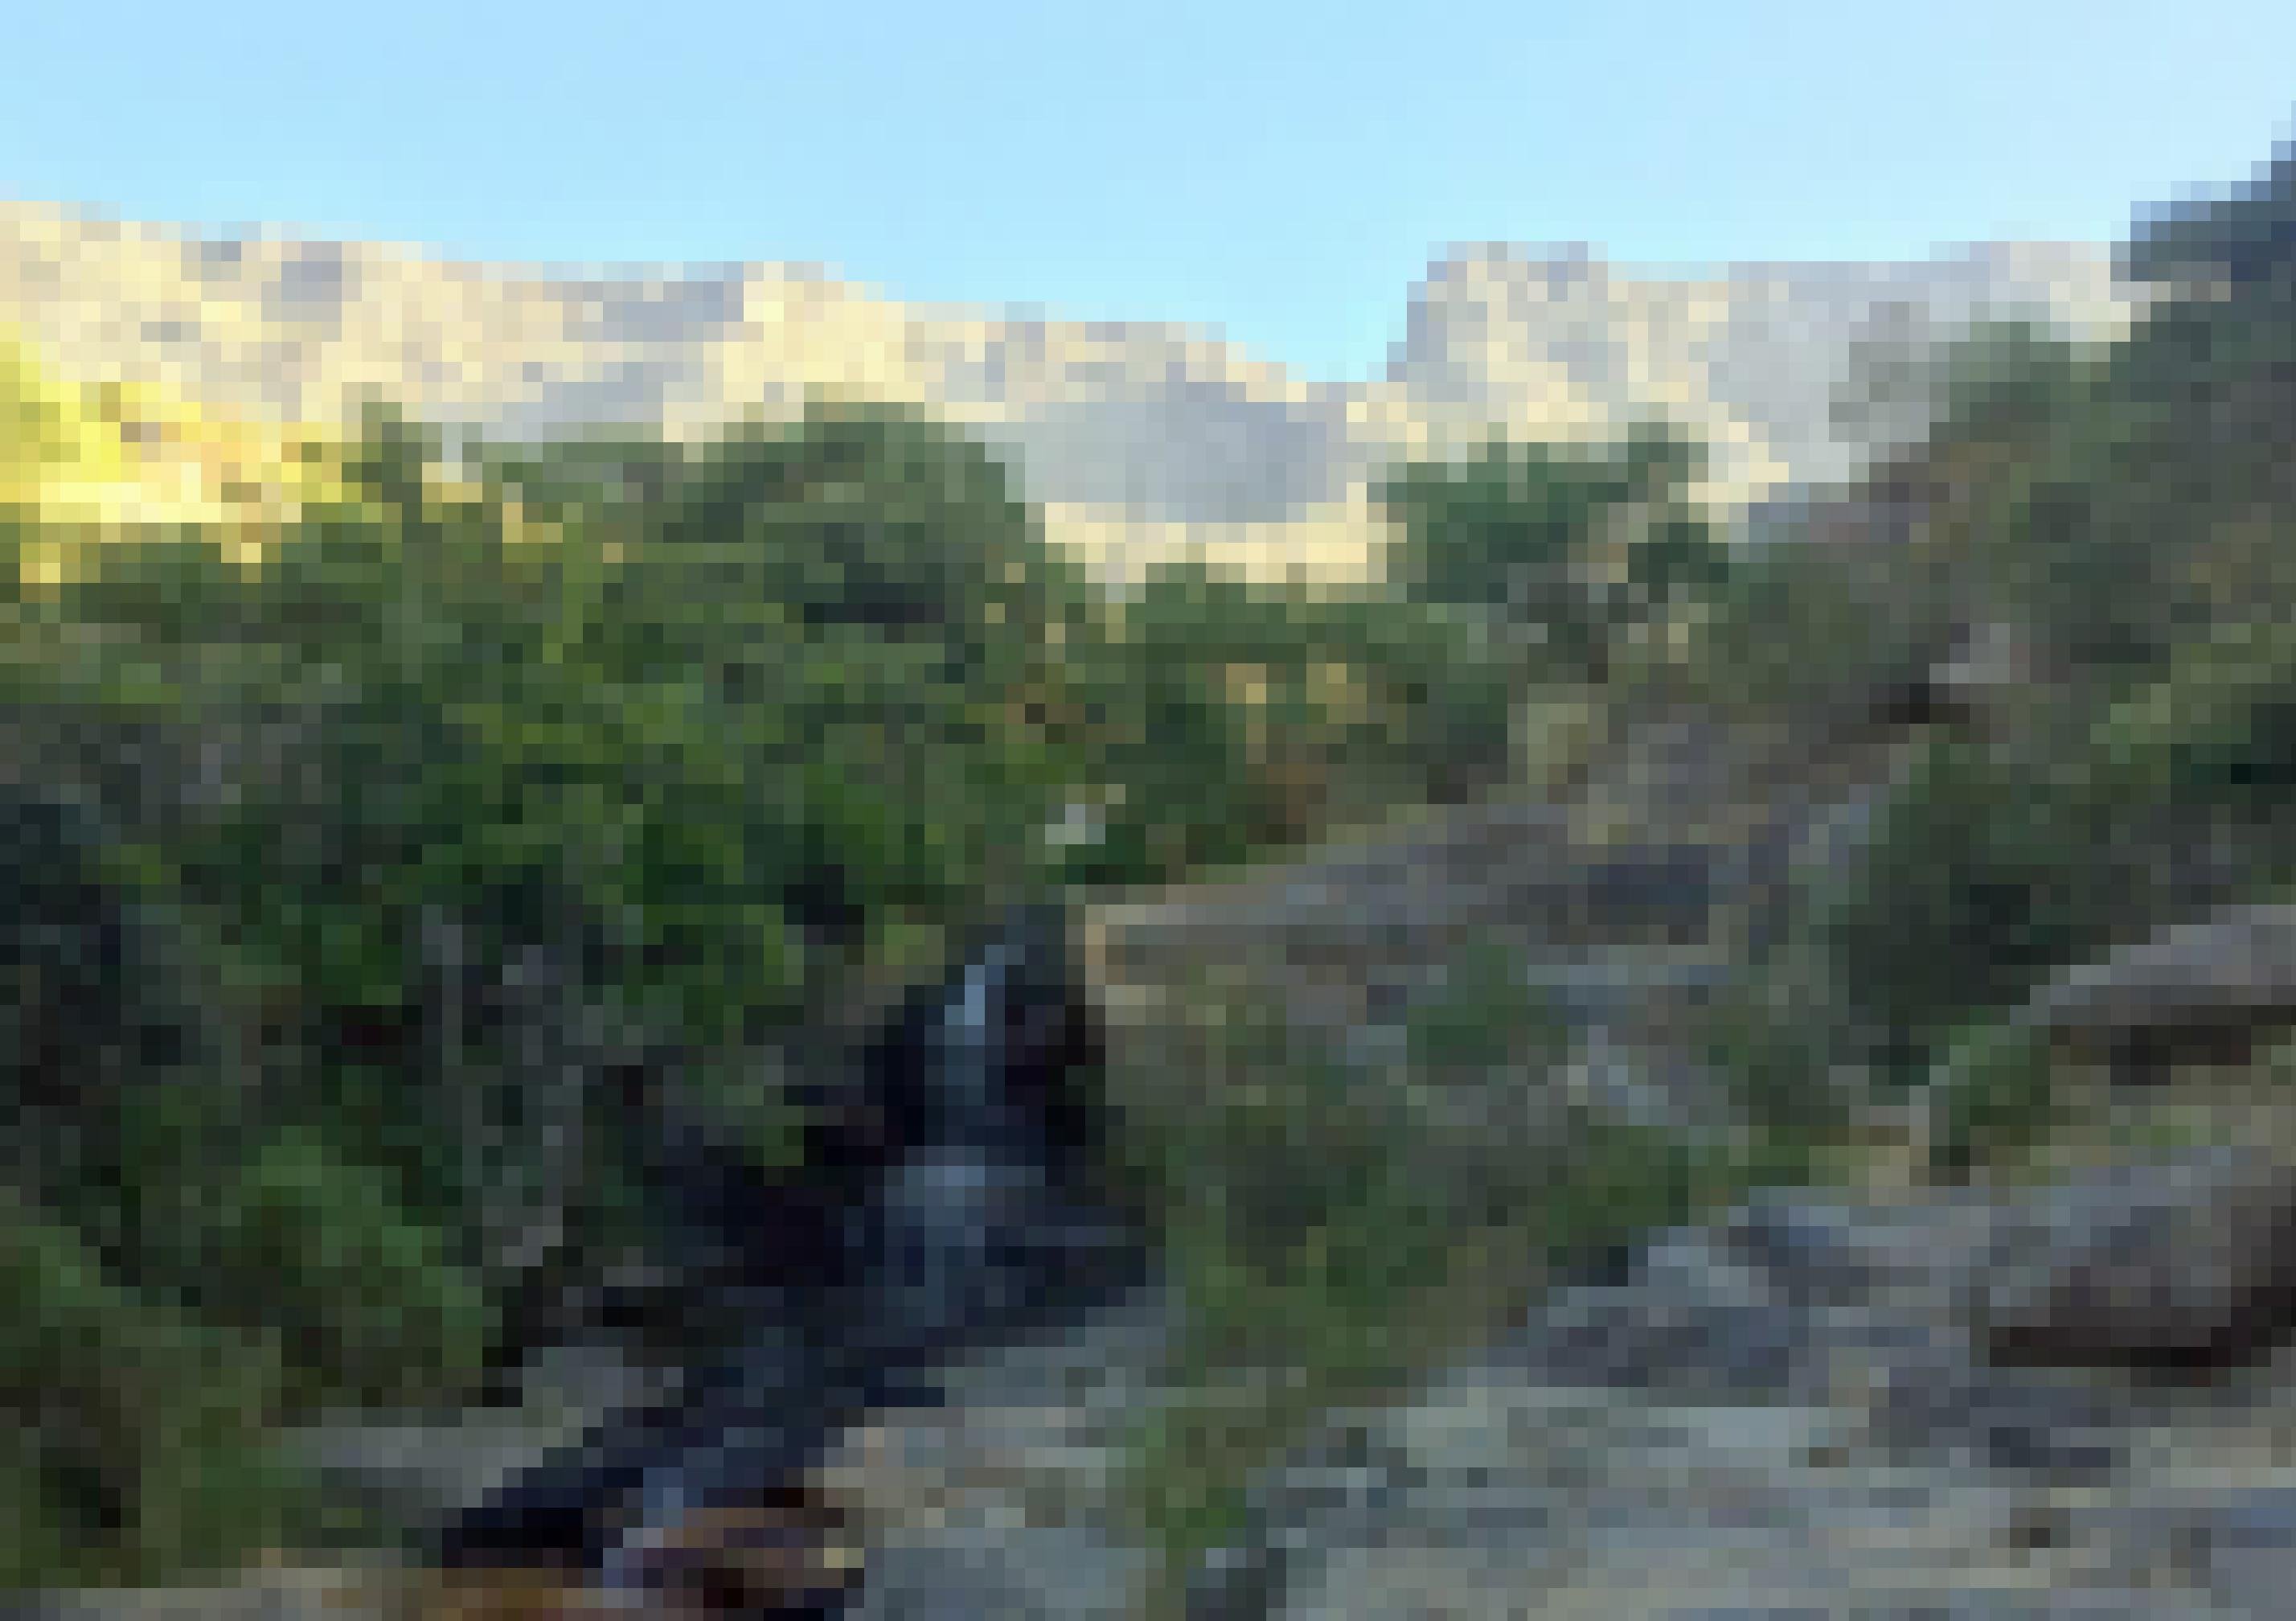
(1809,1406)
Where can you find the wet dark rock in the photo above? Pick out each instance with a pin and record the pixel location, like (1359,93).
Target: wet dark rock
(947,1200)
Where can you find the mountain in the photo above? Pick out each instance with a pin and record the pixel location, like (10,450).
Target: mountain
(1773,364)
(1136,438)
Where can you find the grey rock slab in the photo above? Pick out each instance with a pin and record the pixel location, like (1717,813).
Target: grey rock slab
(994,1570)
(1962,1409)
(1783,1413)
(2237,964)
(309,1595)
(1001,1503)
(1818,1250)
(2187,1262)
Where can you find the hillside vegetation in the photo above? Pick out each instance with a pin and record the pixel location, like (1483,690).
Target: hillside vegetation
(388,894)
(2015,703)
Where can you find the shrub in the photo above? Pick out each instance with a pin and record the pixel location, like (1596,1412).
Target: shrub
(320,1251)
(1982,875)
(1806,631)
(1482,1016)
(135,1441)
(1995,1096)
(1333,1229)
(1767,1042)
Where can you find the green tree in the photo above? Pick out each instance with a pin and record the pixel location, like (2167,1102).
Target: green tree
(1564,549)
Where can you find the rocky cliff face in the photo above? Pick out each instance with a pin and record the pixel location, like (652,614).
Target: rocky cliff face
(1136,437)
(1795,373)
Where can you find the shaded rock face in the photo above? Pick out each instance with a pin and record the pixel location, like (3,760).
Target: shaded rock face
(970,1118)
(2214,985)
(2187,1267)
(993,1058)
(947,1202)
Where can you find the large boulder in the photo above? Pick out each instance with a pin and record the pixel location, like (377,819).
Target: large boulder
(2188,1263)
(2211,986)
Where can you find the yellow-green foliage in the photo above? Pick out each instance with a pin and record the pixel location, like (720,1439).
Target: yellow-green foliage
(81,459)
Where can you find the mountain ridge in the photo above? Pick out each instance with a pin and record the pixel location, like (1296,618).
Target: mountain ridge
(1137,440)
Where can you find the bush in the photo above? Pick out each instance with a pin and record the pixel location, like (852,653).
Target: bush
(1995,1096)
(1481,1023)
(1808,632)
(1333,1230)
(1767,1042)
(1982,875)
(2218,731)
(135,1445)
(320,1252)
(1525,535)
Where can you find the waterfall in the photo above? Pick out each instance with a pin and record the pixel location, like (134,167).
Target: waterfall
(948,1178)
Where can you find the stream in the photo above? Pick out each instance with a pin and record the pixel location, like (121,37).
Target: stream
(949,1204)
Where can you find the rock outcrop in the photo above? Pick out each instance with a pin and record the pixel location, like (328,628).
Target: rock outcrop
(1794,1411)
(2188,1265)
(2212,985)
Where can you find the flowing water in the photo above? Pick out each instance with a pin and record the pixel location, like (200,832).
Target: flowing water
(954,1208)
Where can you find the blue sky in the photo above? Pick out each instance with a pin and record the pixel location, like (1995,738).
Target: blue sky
(1281,171)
